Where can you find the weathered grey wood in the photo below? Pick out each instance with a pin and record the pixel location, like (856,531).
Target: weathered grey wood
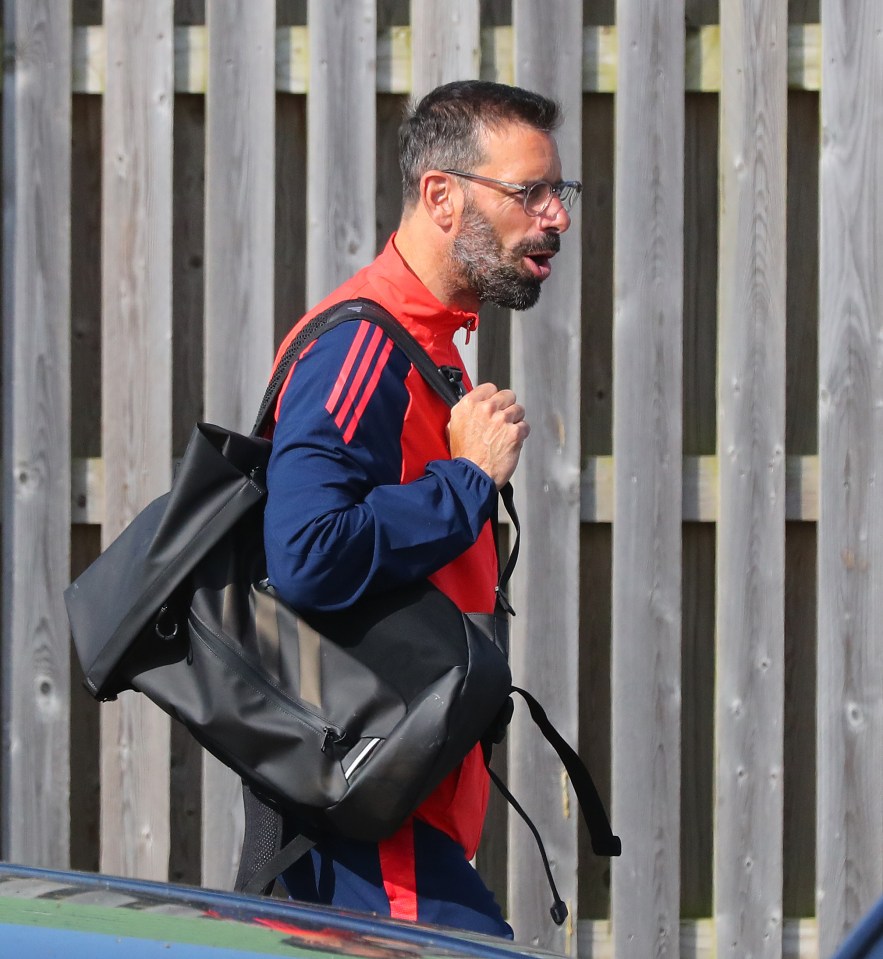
(36,435)
(240,209)
(445,45)
(849,875)
(546,378)
(647,443)
(136,401)
(341,142)
(751,457)
(239,320)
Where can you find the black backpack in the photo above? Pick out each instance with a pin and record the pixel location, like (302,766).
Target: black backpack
(345,721)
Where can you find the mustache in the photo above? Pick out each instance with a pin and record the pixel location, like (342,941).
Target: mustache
(539,245)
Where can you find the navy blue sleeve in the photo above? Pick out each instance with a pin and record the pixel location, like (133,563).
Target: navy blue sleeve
(338,522)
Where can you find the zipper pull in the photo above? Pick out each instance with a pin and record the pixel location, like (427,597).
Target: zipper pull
(331,738)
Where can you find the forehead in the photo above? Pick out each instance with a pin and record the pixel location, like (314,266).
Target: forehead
(520,153)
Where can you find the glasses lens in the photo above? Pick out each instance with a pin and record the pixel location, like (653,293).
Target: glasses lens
(537,198)
(568,192)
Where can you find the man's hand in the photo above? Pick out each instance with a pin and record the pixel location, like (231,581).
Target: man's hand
(488,427)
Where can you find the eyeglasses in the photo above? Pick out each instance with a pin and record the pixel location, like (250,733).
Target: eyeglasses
(538,195)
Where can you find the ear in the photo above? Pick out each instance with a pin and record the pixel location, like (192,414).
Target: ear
(441,198)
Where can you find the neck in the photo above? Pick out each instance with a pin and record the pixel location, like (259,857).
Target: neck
(427,253)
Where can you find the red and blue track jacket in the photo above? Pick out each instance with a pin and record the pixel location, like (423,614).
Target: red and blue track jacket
(363,493)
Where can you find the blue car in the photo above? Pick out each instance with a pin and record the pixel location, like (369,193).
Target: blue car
(47,913)
(866,939)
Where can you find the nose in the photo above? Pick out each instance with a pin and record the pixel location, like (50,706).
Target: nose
(557,215)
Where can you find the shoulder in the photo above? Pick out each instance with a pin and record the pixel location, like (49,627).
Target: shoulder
(352,376)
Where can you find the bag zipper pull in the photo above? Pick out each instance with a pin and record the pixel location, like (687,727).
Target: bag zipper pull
(331,737)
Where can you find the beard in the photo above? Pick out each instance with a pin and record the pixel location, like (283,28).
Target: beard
(493,273)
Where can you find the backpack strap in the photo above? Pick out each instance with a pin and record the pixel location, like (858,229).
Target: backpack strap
(264,857)
(604,842)
(446,384)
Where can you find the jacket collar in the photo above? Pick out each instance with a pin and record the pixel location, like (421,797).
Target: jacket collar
(399,289)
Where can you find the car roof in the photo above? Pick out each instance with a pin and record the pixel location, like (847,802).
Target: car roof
(45,911)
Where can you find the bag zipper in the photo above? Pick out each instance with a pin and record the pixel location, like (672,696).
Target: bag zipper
(331,734)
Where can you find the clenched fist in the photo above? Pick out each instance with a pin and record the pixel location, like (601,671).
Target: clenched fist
(488,427)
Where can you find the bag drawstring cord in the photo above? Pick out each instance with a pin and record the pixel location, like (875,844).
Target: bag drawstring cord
(559,909)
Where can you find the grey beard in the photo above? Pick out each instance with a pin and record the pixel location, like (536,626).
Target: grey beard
(477,252)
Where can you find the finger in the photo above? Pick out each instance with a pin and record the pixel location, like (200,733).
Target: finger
(504,399)
(483,391)
(514,413)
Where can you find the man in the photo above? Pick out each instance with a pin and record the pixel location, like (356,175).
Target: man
(374,482)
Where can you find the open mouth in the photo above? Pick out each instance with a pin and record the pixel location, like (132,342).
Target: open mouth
(539,264)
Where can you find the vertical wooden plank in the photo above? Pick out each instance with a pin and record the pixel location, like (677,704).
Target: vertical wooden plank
(136,402)
(751,457)
(240,208)
(445,43)
(546,378)
(341,141)
(445,46)
(850,533)
(239,322)
(36,431)
(647,448)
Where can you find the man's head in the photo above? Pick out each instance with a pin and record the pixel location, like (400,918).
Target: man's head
(482,188)
(448,127)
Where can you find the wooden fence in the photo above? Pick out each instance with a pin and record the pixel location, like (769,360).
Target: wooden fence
(698,596)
